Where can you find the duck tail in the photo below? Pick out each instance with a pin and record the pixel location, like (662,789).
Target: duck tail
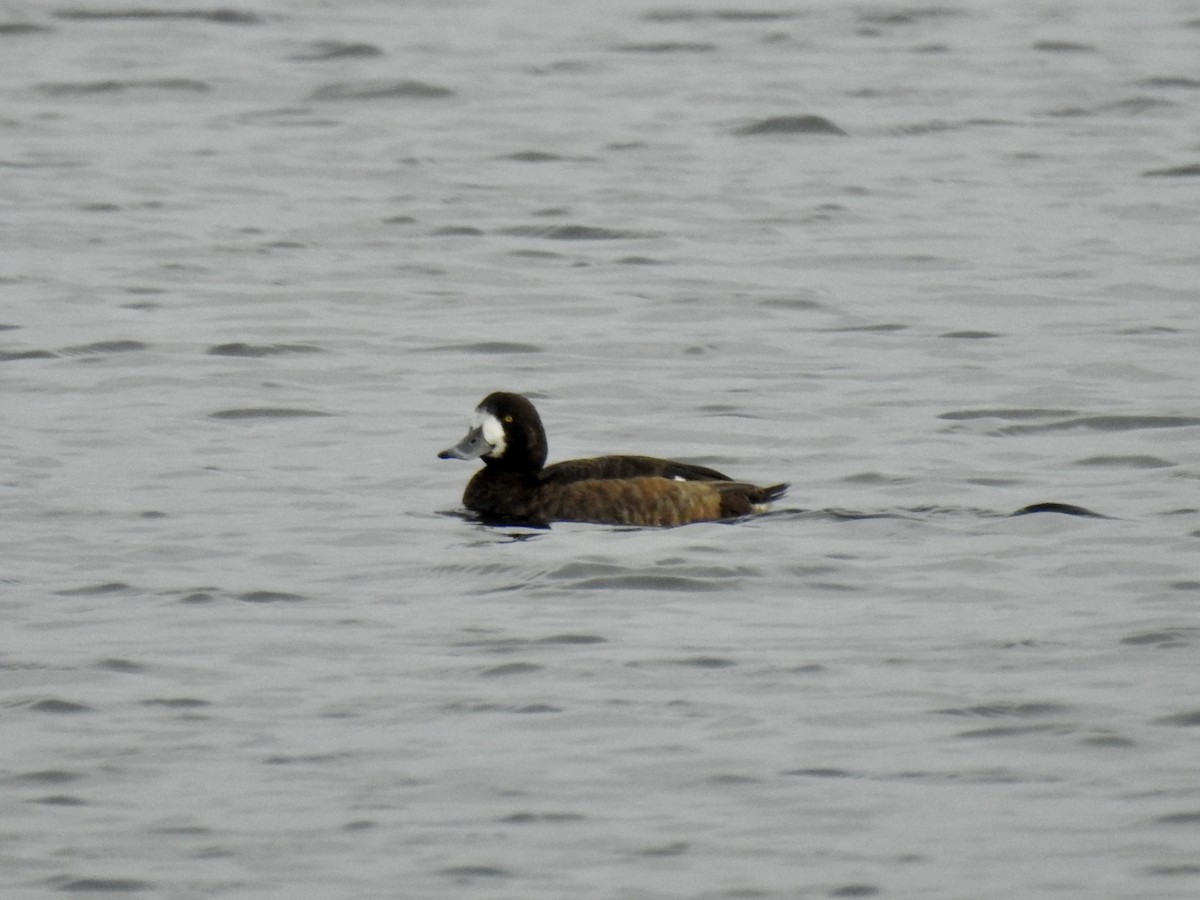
(764,495)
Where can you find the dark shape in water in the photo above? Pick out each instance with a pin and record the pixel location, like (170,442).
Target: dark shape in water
(59,706)
(176,702)
(1188,171)
(1181,720)
(94,590)
(1021,413)
(270,597)
(1169,81)
(380,90)
(573,233)
(855,890)
(60,800)
(12,28)
(668,47)
(496,347)
(905,16)
(1132,462)
(223,16)
(255,350)
(116,664)
(11,355)
(457,231)
(322,50)
(533,156)
(266,412)
(106,347)
(1066,509)
(798,124)
(476,872)
(106,885)
(48,776)
(1063,47)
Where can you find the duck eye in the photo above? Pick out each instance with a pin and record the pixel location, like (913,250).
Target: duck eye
(508,420)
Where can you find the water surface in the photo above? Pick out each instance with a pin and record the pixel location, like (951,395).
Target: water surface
(931,265)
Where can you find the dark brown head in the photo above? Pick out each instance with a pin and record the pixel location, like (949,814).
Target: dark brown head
(507,433)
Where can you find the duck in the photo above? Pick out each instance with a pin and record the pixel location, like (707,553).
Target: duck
(515,486)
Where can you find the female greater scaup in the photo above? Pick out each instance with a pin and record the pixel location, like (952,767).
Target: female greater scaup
(515,485)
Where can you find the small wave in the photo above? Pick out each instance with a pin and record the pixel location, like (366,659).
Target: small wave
(647,582)
(906,16)
(1126,462)
(470,872)
(794,124)
(124,666)
(1183,818)
(1172,871)
(457,231)
(270,597)
(877,478)
(719,15)
(100,347)
(533,156)
(318,51)
(971,335)
(527,818)
(95,590)
(266,412)
(514,668)
(1008,710)
(1185,636)
(405,89)
(59,707)
(1063,47)
(47,776)
(1167,81)
(113,86)
(790,303)
(1189,171)
(1189,719)
(705,662)
(939,126)
(1104,423)
(220,15)
(14,355)
(667,47)
(497,348)
(1007,731)
(572,639)
(107,885)
(10,29)
(1032,413)
(1065,509)
(177,702)
(574,233)
(881,328)
(257,350)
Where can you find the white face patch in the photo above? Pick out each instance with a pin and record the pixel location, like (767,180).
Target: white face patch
(493,433)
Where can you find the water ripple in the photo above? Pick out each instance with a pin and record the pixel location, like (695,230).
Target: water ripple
(1104,423)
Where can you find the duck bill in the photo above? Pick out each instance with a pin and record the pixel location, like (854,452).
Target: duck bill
(473,446)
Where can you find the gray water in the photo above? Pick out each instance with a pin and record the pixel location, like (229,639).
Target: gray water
(929,264)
